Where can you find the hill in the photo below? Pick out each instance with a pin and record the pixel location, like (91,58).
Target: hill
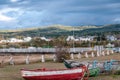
(60,30)
(106,29)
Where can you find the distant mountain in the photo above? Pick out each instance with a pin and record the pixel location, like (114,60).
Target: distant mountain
(60,30)
(61,27)
(113,28)
(105,28)
(71,28)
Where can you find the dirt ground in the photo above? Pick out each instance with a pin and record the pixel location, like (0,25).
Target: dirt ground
(21,59)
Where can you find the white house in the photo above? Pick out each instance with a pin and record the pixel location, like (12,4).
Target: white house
(111,38)
(27,39)
(4,41)
(89,38)
(84,39)
(69,38)
(14,40)
(43,38)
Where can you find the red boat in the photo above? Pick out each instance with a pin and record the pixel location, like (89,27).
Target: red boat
(61,74)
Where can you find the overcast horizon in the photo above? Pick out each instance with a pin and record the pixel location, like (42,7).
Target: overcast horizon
(34,13)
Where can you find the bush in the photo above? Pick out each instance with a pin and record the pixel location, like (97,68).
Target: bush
(62,53)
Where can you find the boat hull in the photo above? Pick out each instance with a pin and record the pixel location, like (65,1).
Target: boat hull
(55,77)
(66,74)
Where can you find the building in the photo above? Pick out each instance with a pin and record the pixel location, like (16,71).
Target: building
(27,39)
(89,38)
(111,38)
(71,38)
(15,40)
(44,38)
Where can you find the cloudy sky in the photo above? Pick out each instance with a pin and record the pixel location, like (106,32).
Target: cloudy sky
(33,13)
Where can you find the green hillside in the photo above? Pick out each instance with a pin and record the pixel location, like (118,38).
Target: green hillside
(59,30)
(112,29)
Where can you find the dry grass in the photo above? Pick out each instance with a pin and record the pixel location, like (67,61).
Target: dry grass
(13,72)
(9,72)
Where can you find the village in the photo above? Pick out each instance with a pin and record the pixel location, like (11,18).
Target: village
(59,39)
(69,38)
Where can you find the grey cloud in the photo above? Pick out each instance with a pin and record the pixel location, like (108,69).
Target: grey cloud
(66,12)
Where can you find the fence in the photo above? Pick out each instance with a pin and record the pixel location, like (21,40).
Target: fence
(41,50)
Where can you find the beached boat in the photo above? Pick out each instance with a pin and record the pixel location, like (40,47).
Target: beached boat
(72,64)
(60,74)
(102,66)
(93,72)
(106,65)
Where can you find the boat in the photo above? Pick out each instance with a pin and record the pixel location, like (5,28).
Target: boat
(100,66)
(107,65)
(73,64)
(93,72)
(53,74)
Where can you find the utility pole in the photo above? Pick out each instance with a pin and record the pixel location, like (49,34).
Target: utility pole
(73,42)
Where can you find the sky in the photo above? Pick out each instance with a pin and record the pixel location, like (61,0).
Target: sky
(16,14)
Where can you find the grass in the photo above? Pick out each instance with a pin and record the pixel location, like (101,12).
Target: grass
(13,72)
(106,77)
(9,72)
